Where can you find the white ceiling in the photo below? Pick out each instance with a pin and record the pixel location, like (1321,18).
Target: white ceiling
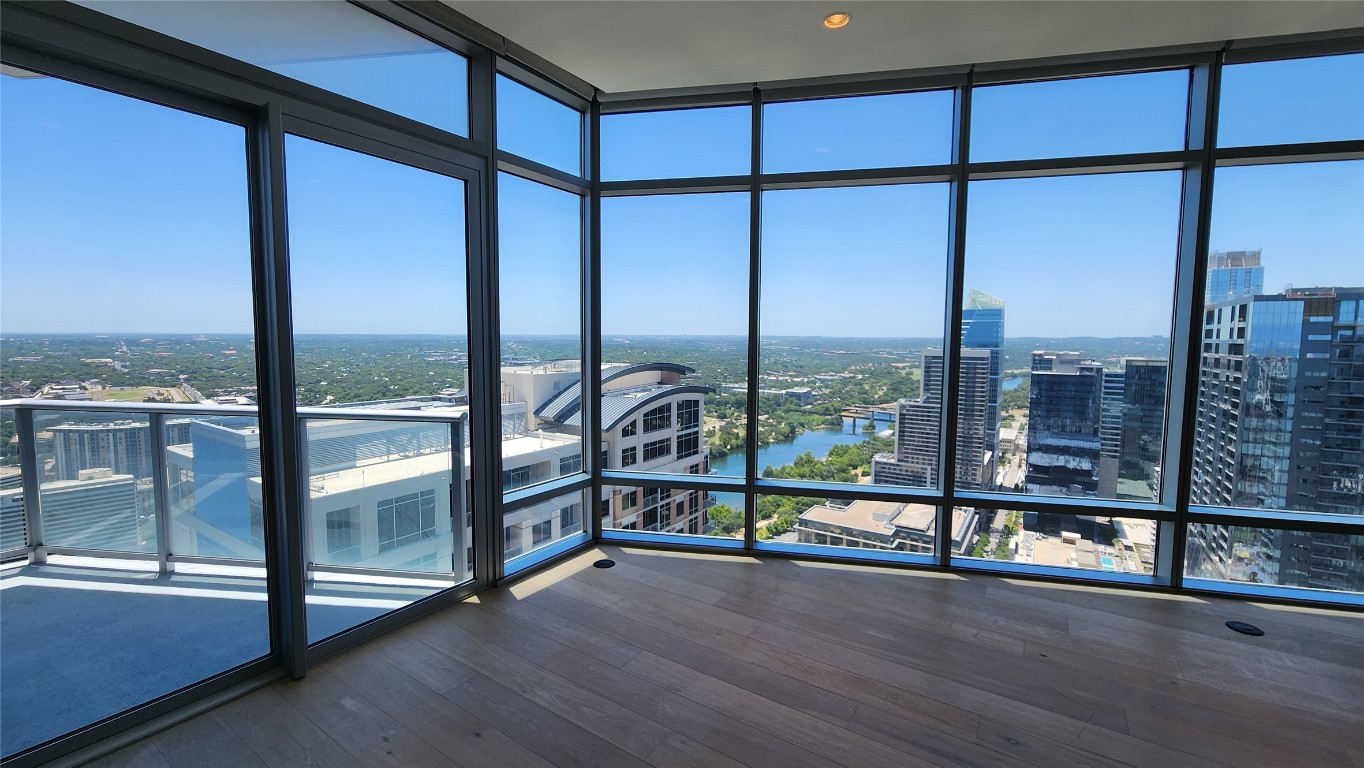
(645,45)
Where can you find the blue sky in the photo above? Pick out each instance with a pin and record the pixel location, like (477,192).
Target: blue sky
(121,216)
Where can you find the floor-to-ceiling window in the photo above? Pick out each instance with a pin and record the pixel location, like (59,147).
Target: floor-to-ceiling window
(330,324)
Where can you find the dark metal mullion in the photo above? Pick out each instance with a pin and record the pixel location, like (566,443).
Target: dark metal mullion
(676,186)
(541,173)
(716,483)
(1309,44)
(1301,152)
(536,494)
(1279,520)
(387,145)
(391,620)
(754,321)
(591,333)
(956,269)
(921,174)
(869,84)
(283,478)
(852,491)
(484,342)
(676,98)
(1205,89)
(111,733)
(450,19)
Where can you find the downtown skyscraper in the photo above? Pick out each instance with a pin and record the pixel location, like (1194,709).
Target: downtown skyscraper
(1281,427)
(982,327)
(916,460)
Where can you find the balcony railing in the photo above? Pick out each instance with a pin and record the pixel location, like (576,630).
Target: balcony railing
(181,483)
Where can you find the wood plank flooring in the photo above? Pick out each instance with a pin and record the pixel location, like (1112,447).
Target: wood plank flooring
(674,660)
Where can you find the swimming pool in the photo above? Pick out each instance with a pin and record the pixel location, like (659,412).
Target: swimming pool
(1107,563)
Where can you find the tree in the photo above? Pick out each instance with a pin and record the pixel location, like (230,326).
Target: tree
(725,518)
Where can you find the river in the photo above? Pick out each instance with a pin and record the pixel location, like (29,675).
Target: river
(816,441)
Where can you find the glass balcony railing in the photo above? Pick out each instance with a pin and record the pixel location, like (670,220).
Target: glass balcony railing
(182,484)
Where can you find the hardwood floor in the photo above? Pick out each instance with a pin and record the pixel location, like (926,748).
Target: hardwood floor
(693,660)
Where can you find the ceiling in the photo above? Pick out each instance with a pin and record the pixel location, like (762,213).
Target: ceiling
(647,45)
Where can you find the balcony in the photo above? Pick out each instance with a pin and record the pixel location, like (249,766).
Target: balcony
(124,583)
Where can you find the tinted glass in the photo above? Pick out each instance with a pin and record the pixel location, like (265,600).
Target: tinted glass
(527,530)
(1066,328)
(336,46)
(1274,557)
(1086,116)
(1119,545)
(124,278)
(1298,100)
(676,144)
(1281,374)
(540,258)
(534,126)
(848,372)
(674,329)
(377,257)
(861,132)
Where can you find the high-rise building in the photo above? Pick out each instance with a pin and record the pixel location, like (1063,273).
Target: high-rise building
(982,327)
(95,510)
(1234,275)
(651,421)
(121,446)
(1142,435)
(1110,433)
(1132,429)
(1065,409)
(915,461)
(1281,426)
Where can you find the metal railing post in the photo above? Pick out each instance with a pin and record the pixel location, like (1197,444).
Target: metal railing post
(160,490)
(28,472)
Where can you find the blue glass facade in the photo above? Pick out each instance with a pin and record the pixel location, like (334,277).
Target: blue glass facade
(982,327)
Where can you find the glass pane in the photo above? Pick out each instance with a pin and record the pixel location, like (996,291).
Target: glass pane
(1298,100)
(99,494)
(540,257)
(674,350)
(1273,557)
(336,46)
(1093,543)
(673,511)
(377,273)
(1068,398)
(376,252)
(862,132)
(880,526)
(534,126)
(125,278)
(535,527)
(1084,116)
(836,382)
(214,479)
(380,497)
(676,144)
(1281,385)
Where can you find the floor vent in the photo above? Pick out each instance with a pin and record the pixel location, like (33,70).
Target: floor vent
(1245,629)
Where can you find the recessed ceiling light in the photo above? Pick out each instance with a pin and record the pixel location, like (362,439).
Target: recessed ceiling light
(837,20)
